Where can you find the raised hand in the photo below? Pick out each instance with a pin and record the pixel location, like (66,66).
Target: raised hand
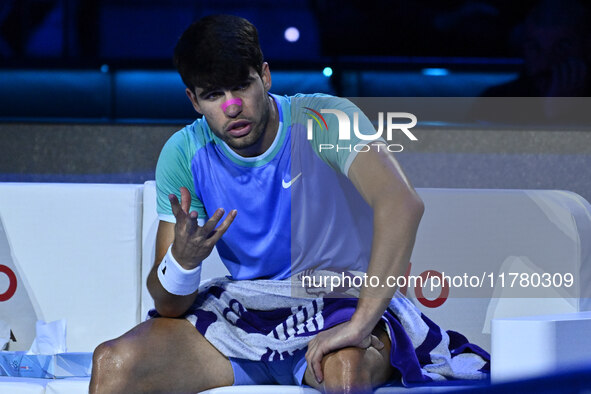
(193,243)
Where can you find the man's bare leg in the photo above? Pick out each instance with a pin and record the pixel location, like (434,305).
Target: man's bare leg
(355,370)
(160,355)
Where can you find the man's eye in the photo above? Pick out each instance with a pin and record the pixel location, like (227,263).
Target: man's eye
(243,86)
(213,96)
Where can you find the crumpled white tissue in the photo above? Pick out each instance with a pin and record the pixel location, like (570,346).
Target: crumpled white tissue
(50,338)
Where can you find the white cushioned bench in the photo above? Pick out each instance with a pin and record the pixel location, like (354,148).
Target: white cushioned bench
(82,252)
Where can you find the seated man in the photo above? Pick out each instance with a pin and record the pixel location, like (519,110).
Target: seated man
(294,209)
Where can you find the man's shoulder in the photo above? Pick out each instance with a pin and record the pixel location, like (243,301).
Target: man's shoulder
(191,137)
(313,98)
(301,105)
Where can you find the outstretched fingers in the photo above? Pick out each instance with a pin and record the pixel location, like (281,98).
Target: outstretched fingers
(193,243)
(184,217)
(209,226)
(185,199)
(175,205)
(183,206)
(213,233)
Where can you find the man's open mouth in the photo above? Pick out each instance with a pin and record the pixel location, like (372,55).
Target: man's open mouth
(239,128)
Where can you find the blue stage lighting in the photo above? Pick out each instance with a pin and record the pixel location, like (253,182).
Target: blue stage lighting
(435,72)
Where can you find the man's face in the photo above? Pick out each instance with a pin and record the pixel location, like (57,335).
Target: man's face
(238,115)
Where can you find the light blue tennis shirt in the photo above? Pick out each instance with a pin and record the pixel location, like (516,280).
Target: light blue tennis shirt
(297,210)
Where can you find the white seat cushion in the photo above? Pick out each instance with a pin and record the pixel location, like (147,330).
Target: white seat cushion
(68,386)
(10,385)
(262,390)
(77,248)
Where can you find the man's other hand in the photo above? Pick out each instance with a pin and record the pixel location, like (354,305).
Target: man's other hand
(335,338)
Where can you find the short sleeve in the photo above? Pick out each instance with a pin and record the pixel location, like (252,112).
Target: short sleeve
(322,112)
(174,171)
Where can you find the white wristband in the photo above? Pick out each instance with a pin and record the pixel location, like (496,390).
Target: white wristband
(176,279)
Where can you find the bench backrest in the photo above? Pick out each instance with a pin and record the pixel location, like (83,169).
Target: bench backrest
(76,251)
(82,252)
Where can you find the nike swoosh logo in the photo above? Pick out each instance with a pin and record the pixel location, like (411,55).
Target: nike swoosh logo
(287,185)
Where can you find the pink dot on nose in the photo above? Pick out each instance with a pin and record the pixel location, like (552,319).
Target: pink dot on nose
(226,104)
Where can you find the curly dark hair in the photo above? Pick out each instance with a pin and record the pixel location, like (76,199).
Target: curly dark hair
(218,51)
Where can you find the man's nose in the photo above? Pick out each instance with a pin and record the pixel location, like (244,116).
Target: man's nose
(232,106)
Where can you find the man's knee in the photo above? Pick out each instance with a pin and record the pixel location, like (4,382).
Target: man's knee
(347,370)
(112,365)
(351,356)
(354,370)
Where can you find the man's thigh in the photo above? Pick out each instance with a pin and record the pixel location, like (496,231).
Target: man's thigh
(162,354)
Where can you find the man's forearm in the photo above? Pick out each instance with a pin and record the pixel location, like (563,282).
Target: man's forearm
(193,242)
(395,225)
(167,304)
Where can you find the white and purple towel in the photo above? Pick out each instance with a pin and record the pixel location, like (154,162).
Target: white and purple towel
(235,317)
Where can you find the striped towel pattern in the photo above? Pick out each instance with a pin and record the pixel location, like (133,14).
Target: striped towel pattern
(237,318)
